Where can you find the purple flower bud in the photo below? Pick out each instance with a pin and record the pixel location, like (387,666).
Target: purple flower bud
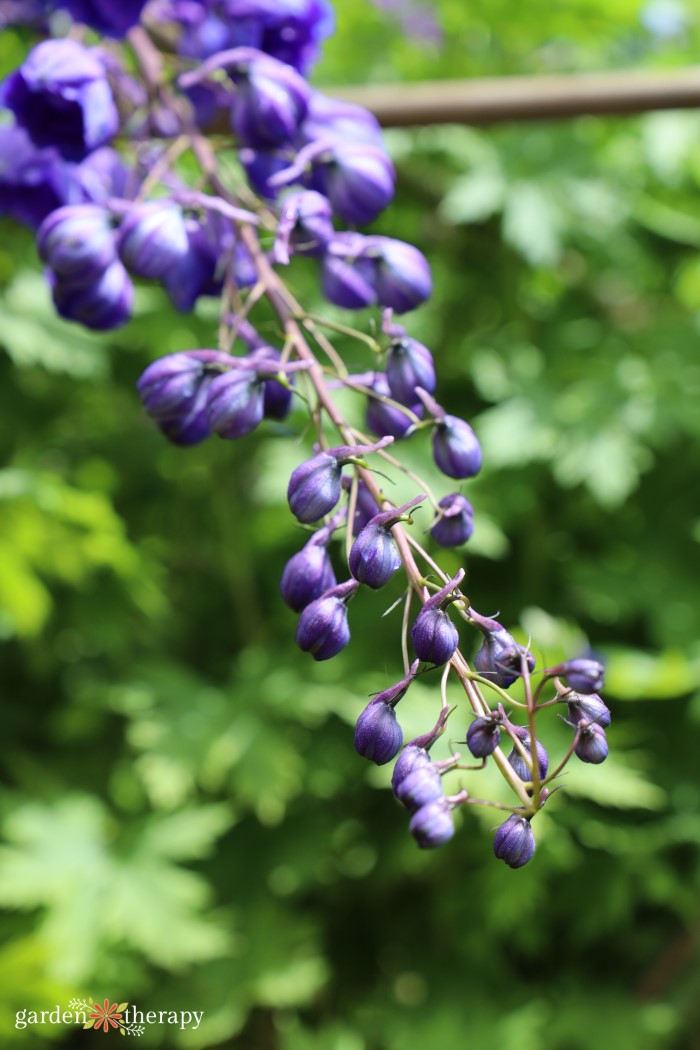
(308,573)
(411,758)
(331,118)
(315,486)
(358,179)
(174,390)
(153,239)
(432,825)
(588,707)
(235,402)
(456,451)
(191,425)
(108,18)
(415,753)
(383,418)
(104,305)
(33,182)
(293,31)
(373,556)
(409,365)
(402,276)
(168,383)
(61,95)
(323,625)
(306,222)
(347,276)
(378,735)
(434,636)
(582,674)
(204,33)
(514,842)
(277,399)
(103,174)
(198,272)
(77,242)
(419,787)
(455,524)
(517,761)
(500,657)
(483,736)
(270,102)
(592,744)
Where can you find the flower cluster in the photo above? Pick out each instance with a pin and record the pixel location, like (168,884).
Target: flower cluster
(313,165)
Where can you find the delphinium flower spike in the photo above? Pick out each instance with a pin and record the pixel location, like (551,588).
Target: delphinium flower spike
(106,216)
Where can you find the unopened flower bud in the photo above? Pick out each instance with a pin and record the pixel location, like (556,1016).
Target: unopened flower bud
(333,118)
(357,178)
(483,736)
(308,573)
(409,365)
(592,744)
(419,787)
(277,399)
(378,735)
(153,239)
(323,625)
(235,402)
(455,524)
(373,557)
(270,102)
(434,636)
(198,271)
(514,842)
(347,276)
(103,305)
(109,19)
(432,825)
(315,486)
(500,658)
(517,761)
(383,418)
(415,753)
(61,95)
(456,450)
(402,274)
(588,707)
(583,674)
(174,390)
(77,242)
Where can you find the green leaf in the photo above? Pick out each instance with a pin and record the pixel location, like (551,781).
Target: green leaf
(617,783)
(532,223)
(632,674)
(474,197)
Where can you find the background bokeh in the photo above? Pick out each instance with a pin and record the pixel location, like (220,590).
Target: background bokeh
(187,825)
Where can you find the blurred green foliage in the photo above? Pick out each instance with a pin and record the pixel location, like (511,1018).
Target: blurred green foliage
(186,823)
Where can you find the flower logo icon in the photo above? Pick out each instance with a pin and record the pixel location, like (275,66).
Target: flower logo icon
(107,1015)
